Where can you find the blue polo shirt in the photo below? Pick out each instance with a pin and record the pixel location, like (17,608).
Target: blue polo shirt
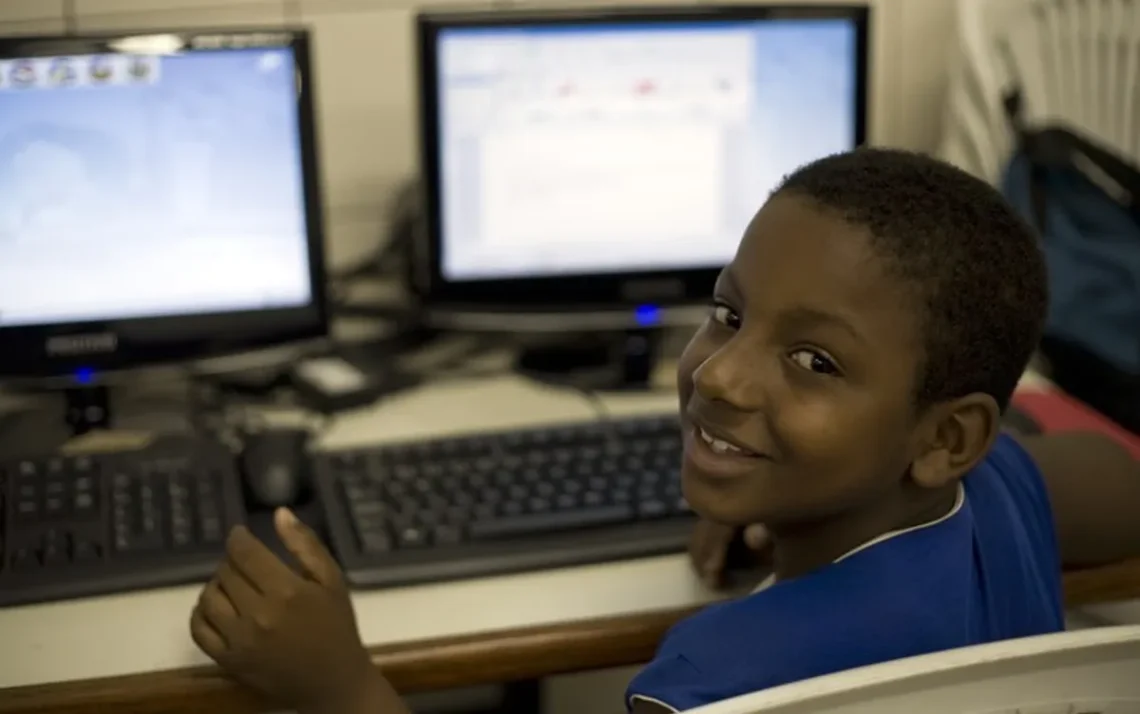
(989,570)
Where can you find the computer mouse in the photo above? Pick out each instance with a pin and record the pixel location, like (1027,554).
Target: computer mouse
(275,468)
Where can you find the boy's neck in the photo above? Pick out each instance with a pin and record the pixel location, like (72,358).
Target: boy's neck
(802,548)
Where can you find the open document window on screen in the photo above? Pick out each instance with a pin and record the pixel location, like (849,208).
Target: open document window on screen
(150,185)
(628,145)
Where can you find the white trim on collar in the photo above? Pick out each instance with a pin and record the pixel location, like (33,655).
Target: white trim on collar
(651,700)
(958,501)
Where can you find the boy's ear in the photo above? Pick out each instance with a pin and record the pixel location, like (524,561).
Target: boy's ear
(953,438)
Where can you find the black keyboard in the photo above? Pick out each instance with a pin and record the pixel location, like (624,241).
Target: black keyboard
(72,526)
(502,502)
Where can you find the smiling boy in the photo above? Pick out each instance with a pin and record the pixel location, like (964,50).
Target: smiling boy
(845,391)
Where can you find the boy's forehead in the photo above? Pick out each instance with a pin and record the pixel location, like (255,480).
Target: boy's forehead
(792,229)
(793,249)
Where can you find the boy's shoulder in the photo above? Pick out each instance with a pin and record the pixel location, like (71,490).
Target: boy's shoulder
(1008,497)
(981,573)
(843,616)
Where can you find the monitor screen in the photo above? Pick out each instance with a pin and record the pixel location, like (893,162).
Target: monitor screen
(150,185)
(626,146)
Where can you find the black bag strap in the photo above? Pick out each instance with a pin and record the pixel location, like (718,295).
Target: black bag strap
(1012,103)
(1060,147)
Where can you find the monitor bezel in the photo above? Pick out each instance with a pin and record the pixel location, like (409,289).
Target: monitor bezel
(55,350)
(583,290)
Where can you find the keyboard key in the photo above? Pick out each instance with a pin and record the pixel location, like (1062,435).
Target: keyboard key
(652,509)
(375,541)
(85,552)
(24,560)
(545,522)
(446,535)
(54,553)
(84,504)
(27,509)
(412,537)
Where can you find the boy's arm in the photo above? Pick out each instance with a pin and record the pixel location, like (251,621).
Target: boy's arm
(1094,489)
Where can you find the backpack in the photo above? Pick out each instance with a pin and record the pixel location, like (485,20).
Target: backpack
(1085,203)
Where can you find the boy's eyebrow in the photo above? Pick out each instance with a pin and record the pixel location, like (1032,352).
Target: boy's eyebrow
(802,316)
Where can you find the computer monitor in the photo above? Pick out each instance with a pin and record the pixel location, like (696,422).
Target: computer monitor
(158,199)
(601,158)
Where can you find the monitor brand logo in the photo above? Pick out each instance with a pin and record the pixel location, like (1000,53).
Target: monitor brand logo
(69,345)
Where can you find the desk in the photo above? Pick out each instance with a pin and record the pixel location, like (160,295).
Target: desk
(133,653)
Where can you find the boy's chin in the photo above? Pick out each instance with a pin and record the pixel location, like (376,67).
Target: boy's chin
(723,508)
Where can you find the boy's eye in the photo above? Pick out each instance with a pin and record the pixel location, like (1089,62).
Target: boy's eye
(814,361)
(725,315)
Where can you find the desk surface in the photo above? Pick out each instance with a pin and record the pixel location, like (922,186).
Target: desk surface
(133,652)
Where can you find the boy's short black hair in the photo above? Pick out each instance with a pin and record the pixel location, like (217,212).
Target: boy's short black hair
(975,266)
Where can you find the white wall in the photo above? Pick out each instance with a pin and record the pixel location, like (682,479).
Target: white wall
(364,64)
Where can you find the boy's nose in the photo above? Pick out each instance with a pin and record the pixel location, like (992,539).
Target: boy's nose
(727,377)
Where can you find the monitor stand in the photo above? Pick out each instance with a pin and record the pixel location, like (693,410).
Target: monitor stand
(43,420)
(51,417)
(606,361)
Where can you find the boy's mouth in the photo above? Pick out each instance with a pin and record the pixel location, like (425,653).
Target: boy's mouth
(720,442)
(716,457)
(722,446)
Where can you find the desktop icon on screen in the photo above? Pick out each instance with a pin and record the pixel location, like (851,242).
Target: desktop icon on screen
(62,72)
(23,73)
(140,69)
(101,70)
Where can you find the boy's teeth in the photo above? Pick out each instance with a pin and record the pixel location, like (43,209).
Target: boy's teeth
(719,446)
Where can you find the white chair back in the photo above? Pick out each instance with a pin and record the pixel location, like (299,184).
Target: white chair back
(1094,671)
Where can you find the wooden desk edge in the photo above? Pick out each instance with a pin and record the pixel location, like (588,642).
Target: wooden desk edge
(451,662)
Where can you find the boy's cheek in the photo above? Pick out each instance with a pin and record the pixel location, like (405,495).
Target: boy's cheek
(835,445)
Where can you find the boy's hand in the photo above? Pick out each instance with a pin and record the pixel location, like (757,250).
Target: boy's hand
(290,636)
(710,544)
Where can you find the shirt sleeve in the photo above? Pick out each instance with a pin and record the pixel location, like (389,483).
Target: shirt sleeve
(1022,478)
(1016,538)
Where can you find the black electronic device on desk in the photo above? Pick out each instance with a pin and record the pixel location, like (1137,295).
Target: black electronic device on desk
(176,225)
(506,501)
(589,172)
(185,224)
(91,524)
